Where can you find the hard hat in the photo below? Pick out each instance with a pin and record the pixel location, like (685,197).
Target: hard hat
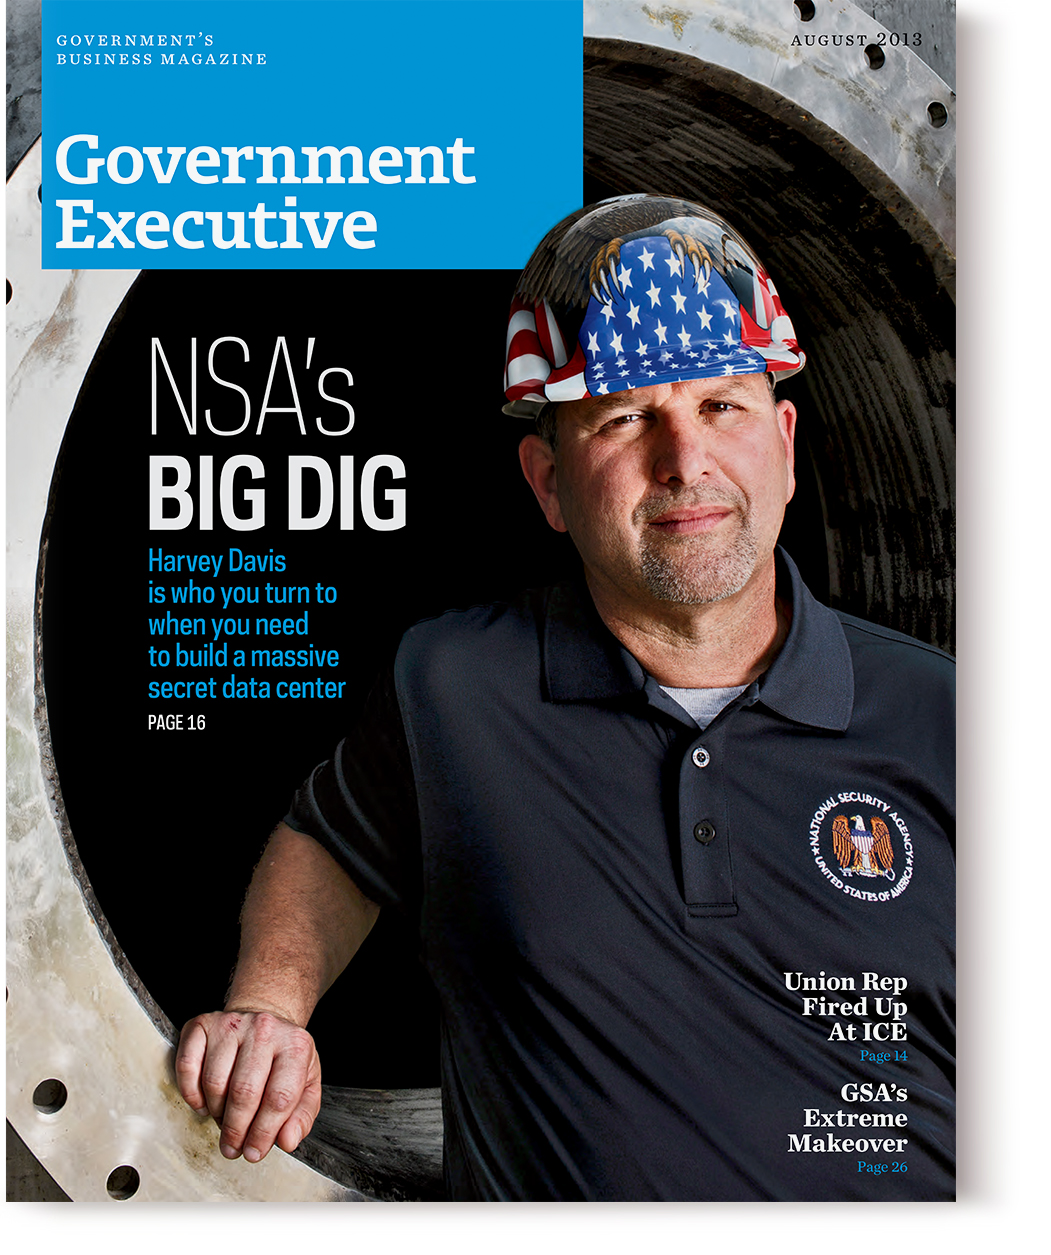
(641,290)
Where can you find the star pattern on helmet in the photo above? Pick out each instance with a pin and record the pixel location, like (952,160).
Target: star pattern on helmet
(706,343)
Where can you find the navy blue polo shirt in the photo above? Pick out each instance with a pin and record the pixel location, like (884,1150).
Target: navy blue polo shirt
(672,964)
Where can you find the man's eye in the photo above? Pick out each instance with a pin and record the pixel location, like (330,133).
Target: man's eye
(623,420)
(723,410)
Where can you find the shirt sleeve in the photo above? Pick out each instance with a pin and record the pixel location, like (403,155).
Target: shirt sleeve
(361,805)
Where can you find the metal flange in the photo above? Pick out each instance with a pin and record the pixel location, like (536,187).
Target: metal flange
(90,1087)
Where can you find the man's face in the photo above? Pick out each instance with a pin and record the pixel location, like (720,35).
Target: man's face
(674,493)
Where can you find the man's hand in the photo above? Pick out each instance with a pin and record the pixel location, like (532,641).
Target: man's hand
(256,1074)
(252,1067)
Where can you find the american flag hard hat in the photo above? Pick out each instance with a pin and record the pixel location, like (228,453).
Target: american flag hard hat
(641,290)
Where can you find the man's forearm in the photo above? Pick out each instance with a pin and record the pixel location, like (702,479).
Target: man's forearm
(302,922)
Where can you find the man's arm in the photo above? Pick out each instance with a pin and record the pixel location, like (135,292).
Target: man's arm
(253,1066)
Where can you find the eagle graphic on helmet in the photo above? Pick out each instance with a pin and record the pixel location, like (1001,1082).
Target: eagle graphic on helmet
(583,322)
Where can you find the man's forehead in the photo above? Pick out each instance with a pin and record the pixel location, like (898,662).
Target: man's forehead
(731,386)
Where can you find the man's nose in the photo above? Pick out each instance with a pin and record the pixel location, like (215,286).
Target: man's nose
(683,449)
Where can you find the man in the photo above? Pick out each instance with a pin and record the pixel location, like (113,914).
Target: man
(675,835)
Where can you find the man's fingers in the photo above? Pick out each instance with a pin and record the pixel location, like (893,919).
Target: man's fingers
(256,1074)
(229,1038)
(290,1101)
(189,1058)
(299,1125)
(265,1086)
(246,1083)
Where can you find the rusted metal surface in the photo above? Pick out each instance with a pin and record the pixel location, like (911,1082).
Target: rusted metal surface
(388,1142)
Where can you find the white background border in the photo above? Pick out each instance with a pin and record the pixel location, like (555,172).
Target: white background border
(1005,428)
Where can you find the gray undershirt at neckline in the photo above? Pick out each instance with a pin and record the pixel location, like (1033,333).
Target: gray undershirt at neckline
(702,705)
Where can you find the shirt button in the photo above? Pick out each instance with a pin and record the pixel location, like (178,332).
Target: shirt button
(704,832)
(701,757)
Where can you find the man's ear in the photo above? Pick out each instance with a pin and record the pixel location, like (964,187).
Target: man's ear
(786,422)
(538,466)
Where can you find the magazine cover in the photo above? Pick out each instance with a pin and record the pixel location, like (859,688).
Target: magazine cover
(271,359)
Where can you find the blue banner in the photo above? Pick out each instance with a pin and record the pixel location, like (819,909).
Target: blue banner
(308,134)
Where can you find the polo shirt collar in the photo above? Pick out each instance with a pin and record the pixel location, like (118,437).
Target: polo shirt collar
(581,659)
(811,681)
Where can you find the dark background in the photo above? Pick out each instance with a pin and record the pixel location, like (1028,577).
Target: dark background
(170,824)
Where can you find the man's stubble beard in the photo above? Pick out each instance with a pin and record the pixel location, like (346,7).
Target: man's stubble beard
(701,569)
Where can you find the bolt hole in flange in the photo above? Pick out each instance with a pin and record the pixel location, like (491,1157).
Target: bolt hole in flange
(50,1096)
(937,113)
(805,9)
(875,55)
(122,1182)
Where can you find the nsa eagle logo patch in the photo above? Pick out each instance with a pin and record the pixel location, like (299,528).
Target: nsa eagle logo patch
(862,846)
(862,851)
